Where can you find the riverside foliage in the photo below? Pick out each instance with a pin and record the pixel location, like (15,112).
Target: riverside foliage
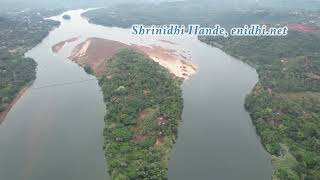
(18,34)
(284,105)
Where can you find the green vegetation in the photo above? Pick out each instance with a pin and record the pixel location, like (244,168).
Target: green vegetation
(19,33)
(285,104)
(144,107)
(88,69)
(187,12)
(15,73)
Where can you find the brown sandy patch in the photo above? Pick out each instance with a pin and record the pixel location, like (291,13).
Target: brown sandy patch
(159,142)
(95,52)
(140,135)
(143,114)
(4,113)
(140,138)
(161,121)
(177,64)
(57,47)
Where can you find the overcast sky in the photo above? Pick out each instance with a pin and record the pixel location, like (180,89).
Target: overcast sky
(285,4)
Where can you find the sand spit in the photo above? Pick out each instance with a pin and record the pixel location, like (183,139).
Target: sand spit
(95,52)
(57,47)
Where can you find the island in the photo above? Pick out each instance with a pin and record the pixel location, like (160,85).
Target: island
(144,104)
(66,17)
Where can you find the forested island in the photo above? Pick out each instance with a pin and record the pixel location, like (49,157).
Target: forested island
(284,105)
(19,33)
(144,104)
(144,107)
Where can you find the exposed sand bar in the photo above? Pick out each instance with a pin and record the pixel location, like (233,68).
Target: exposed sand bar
(175,63)
(57,47)
(96,51)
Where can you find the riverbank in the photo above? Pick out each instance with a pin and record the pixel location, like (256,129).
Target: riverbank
(283,103)
(17,71)
(8,107)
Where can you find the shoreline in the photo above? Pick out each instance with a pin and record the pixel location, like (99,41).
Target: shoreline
(8,108)
(284,159)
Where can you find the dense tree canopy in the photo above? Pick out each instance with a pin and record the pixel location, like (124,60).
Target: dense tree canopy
(19,33)
(144,107)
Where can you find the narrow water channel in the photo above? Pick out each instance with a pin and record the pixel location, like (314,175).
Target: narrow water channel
(56,133)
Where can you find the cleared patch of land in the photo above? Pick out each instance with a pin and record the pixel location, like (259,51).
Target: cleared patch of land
(301,27)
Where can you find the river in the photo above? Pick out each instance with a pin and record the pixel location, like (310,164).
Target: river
(56,132)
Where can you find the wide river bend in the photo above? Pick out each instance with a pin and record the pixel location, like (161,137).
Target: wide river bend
(56,132)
